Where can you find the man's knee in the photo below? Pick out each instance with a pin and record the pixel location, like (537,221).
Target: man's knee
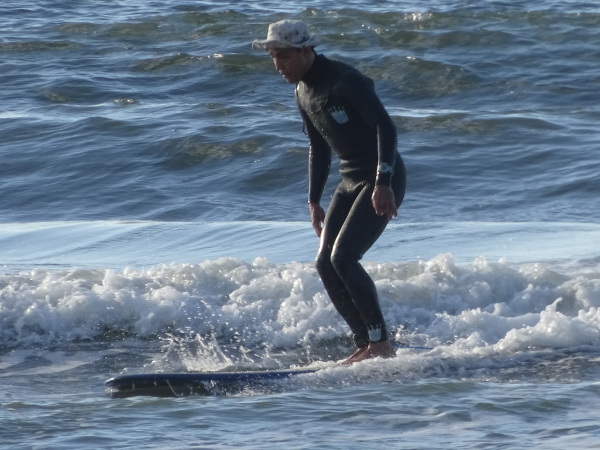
(343,261)
(323,264)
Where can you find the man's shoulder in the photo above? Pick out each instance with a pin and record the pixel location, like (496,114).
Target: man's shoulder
(347,77)
(339,67)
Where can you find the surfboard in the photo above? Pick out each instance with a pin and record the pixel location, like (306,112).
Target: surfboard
(192,383)
(200,383)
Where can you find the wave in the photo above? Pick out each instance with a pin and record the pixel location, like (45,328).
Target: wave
(434,302)
(38,46)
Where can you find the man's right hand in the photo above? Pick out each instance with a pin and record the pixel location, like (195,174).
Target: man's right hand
(317,216)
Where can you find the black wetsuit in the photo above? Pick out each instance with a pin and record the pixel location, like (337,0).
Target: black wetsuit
(341,112)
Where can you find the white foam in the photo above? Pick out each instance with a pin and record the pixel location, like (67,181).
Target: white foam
(482,306)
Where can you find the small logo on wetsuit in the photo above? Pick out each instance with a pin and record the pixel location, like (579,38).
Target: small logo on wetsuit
(338,113)
(375,334)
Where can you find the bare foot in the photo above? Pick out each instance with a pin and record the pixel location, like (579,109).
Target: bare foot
(375,350)
(350,359)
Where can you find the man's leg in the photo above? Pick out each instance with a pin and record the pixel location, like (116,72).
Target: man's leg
(359,232)
(339,208)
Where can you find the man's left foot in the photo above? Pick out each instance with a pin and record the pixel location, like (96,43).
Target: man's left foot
(382,349)
(350,359)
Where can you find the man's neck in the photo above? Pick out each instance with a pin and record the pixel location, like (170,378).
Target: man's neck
(309,75)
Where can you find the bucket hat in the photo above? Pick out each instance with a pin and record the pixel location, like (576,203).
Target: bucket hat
(287,34)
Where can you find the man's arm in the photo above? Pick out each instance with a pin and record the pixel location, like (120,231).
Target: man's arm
(319,164)
(359,91)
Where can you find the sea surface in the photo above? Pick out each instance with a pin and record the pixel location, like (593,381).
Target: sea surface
(153,218)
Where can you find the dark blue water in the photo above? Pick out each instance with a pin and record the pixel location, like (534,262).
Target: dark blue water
(163,112)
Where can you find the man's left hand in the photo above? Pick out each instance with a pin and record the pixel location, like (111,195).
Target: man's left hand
(384,202)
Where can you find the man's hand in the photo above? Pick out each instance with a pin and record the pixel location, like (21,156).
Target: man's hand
(384,202)
(317,216)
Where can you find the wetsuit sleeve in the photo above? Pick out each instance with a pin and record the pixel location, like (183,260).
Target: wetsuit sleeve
(319,160)
(359,91)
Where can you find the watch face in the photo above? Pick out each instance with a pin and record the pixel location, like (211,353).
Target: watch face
(384,168)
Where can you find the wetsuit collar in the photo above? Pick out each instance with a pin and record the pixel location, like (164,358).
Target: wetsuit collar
(313,74)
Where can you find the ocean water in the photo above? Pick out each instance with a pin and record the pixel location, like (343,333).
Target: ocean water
(153,219)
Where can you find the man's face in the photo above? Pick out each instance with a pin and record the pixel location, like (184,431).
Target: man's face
(291,63)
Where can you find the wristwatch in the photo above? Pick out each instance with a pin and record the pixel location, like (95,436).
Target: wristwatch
(385,168)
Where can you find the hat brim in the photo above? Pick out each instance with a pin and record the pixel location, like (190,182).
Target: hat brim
(268,44)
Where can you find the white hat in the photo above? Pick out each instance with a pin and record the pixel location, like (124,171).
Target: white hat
(287,34)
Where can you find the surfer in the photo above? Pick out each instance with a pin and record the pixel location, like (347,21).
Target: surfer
(342,113)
